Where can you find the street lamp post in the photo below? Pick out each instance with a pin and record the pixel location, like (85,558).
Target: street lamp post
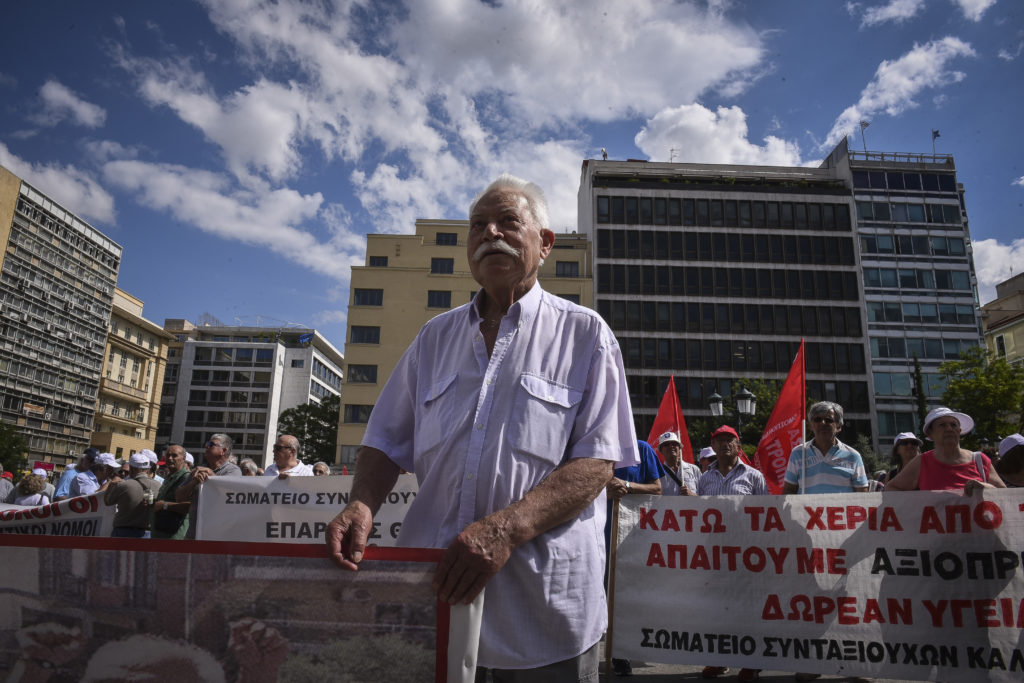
(746,404)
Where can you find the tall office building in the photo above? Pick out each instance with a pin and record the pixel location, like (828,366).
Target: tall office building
(715,272)
(131,381)
(920,287)
(57,281)
(238,380)
(407,280)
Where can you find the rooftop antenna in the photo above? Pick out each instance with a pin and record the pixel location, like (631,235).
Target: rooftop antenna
(604,154)
(672,155)
(863,125)
(935,134)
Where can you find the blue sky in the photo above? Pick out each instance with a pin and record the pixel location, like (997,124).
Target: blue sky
(240,151)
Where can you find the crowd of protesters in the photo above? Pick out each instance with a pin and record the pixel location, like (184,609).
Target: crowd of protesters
(146,486)
(155,496)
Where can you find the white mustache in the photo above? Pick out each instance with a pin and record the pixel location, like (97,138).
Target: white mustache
(497,245)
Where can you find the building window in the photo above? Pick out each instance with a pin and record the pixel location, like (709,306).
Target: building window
(357,414)
(365,334)
(378,261)
(368,297)
(448,239)
(567,269)
(362,374)
(348,455)
(1000,346)
(298,362)
(439,299)
(442,266)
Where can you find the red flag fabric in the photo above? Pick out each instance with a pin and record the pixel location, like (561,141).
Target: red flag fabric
(784,430)
(670,419)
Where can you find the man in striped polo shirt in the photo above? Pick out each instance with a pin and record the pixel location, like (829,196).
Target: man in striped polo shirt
(825,464)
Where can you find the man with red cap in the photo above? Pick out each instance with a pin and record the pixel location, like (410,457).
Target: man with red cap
(729,476)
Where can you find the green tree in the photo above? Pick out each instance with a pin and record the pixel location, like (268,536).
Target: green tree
(316,428)
(13,447)
(988,389)
(920,394)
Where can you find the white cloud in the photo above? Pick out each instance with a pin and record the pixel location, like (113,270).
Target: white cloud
(615,59)
(277,219)
(71,187)
(102,151)
(1009,56)
(995,262)
(423,121)
(898,82)
(973,9)
(330,317)
(703,136)
(59,103)
(1019,181)
(896,11)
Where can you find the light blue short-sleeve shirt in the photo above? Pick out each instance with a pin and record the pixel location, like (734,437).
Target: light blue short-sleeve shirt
(841,470)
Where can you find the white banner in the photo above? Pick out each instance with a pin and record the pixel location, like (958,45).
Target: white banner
(83,516)
(916,585)
(293,510)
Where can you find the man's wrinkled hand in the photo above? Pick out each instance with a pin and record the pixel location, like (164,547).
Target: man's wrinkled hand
(347,534)
(471,560)
(616,489)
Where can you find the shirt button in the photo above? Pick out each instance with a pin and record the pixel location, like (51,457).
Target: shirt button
(479,426)
(550,397)
(469,476)
(490,382)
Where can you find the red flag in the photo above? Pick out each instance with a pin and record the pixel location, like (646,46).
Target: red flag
(784,430)
(670,419)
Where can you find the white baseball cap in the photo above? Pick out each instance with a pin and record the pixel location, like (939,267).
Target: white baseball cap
(150,455)
(189,459)
(965,420)
(669,437)
(706,452)
(40,471)
(107,459)
(1009,443)
(139,461)
(907,436)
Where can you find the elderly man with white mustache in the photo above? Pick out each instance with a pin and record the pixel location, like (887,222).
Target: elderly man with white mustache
(512,411)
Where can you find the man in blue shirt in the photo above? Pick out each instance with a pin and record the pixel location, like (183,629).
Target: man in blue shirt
(644,477)
(825,464)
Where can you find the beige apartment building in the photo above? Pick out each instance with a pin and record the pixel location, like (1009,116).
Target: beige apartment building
(1003,319)
(133,373)
(406,281)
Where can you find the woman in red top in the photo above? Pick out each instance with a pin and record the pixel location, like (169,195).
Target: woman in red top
(948,467)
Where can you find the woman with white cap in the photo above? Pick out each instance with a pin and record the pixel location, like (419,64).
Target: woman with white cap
(948,467)
(1011,461)
(905,447)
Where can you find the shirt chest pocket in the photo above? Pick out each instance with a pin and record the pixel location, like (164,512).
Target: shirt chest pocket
(437,406)
(543,417)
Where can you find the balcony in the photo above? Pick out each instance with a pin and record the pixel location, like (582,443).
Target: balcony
(107,384)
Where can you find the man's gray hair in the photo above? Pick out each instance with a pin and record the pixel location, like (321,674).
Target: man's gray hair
(534,196)
(823,408)
(249,465)
(224,440)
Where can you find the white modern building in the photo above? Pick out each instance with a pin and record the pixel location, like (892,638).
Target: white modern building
(238,380)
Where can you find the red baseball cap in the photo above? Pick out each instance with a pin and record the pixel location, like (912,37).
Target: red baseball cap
(724,429)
